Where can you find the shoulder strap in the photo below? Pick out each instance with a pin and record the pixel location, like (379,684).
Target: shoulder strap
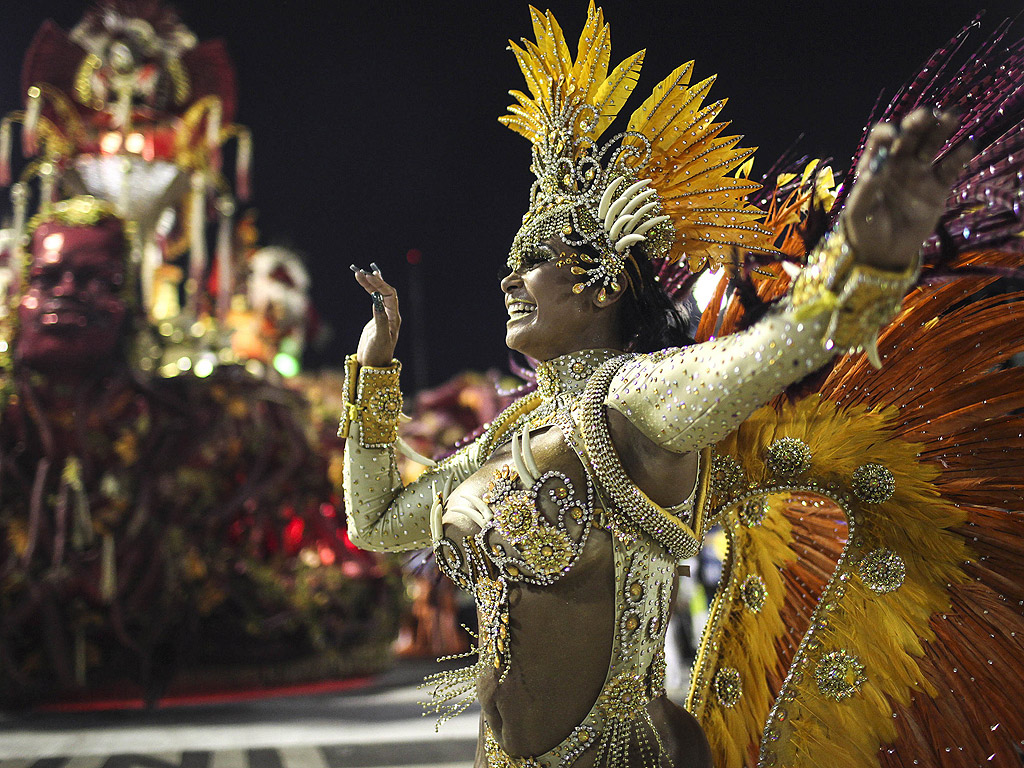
(676,535)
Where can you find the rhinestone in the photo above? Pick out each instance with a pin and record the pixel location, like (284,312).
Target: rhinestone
(728,686)
(839,675)
(788,457)
(726,475)
(882,570)
(753,511)
(873,483)
(753,592)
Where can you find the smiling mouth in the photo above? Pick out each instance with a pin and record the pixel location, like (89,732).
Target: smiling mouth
(520,309)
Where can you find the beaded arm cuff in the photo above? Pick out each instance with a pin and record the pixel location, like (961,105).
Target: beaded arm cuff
(859,298)
(374,400)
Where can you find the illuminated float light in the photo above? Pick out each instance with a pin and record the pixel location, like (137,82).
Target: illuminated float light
(705,287)
(53,242)
(287,365)
(110,143)
(135,143)
(203,367)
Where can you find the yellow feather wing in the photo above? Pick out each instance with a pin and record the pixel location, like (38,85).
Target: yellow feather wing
(855,628)
(612,94)
(660,103)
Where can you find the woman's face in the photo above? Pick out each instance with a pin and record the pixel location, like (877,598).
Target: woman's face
(546,319)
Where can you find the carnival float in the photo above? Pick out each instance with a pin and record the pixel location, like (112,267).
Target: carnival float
(169,508)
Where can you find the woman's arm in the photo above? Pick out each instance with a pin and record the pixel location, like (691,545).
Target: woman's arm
(382,514)
(687,399)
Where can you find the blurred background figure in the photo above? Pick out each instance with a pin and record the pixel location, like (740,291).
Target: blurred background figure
(169,515)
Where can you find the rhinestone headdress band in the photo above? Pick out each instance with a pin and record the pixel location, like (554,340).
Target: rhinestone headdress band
(668,182)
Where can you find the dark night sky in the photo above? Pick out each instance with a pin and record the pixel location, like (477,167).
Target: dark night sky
(375,123)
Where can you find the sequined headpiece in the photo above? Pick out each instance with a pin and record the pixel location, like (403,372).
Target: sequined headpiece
(668,181)
(80,211)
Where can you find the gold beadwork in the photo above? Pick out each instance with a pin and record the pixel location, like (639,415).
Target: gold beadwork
(839,675)
(548,550)
(668,530)
(873,483)
(882,571)
(859,299)
(373,398)
(753,511)
(726,475)
(788,457)
(623,698)
(753,592)
(728,686)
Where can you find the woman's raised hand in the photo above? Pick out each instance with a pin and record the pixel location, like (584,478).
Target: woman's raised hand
(380,335)
(901,187)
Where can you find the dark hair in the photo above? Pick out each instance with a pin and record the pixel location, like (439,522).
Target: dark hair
(649,319)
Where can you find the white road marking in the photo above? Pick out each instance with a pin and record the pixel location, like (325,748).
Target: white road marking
(199,738)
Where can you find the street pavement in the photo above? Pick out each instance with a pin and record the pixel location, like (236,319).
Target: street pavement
(379,725)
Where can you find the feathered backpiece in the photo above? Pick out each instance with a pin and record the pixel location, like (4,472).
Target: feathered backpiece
(666,185)
(870,608)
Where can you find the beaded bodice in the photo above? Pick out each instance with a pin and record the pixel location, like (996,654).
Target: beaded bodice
(534,524)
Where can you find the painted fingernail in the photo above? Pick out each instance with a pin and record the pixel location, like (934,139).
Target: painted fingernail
(365,272)
(374,267)
(354,268)
(378,301)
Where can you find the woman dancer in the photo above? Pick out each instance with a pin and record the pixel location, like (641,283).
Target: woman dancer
(567,516)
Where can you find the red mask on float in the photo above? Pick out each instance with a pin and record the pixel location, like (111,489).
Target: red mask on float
(73,310)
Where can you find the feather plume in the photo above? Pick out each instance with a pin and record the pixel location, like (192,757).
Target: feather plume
(611,95)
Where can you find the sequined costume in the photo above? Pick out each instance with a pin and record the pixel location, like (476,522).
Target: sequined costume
(537,516)
(850,519)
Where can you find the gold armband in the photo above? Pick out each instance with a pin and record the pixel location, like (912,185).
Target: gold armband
(860,299)
(374,400)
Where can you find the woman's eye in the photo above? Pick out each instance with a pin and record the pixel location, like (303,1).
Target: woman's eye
(534,258)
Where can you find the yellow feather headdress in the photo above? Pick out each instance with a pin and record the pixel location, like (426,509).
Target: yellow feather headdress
(668,182)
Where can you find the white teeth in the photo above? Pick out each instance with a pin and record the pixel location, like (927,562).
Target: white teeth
(520,309)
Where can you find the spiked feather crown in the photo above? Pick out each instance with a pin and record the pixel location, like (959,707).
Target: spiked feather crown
(668,182)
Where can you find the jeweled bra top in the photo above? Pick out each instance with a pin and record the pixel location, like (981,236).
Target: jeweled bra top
(522,544)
